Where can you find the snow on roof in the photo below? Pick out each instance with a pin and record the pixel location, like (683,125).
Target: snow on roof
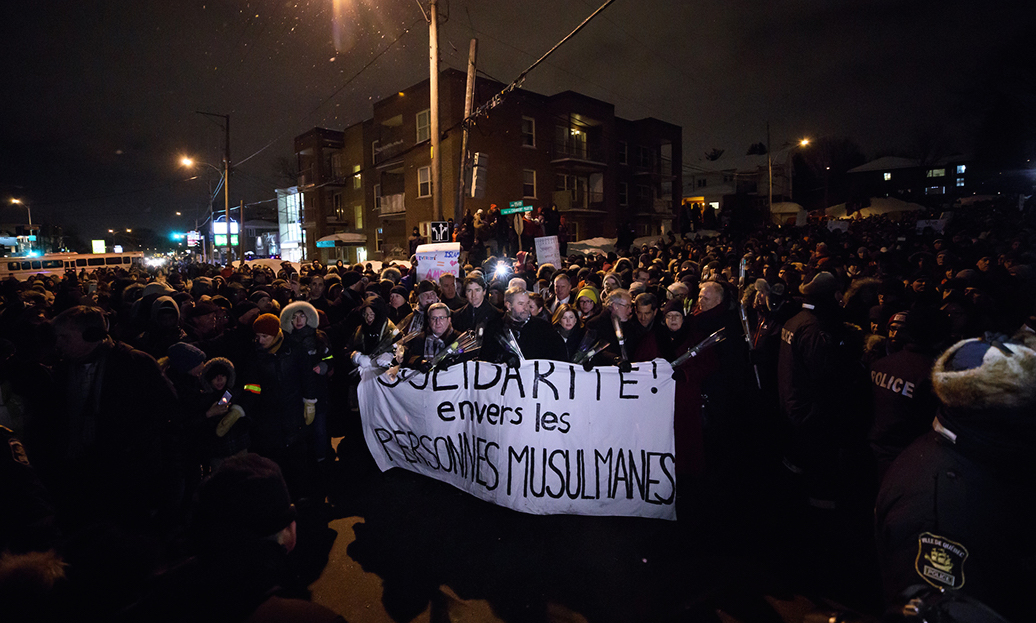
(887,163)
(879,205)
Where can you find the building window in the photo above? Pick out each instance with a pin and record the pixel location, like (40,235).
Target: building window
(624,194)
(336,166)
(643,194)
(336,205)
(528,132)
(377,196)
(357,179)
(960,182)
(702,182)
(961,168)
(934,190)
(624,149)
(728,178)
(424,182)
(887,176)
(936,172)
(424,125)
(643,157)
(529,183)
(358,216)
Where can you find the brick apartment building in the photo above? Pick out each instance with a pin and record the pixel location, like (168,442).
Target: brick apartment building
(366,187)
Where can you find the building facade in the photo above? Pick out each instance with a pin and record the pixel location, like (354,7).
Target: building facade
(365,188)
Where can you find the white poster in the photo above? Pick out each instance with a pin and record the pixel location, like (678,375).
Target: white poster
(545,438)
(434,260)
(547,251)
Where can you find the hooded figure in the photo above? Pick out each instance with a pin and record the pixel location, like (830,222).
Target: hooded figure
(953,508)
(163,329)
(299,322)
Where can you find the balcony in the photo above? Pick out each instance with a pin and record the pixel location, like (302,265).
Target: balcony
(392,204)
(577,156)
(662,168)
(569,200)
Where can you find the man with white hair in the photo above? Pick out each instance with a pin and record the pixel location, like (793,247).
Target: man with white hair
(536,338)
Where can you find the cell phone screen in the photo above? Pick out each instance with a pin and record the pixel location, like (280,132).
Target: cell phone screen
(226,398)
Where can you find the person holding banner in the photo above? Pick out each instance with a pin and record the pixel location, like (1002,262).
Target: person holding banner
(478,311)
(427,294)
(536,338)
(438,334)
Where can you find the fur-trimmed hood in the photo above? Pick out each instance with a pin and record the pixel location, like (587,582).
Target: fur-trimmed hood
(997,375)
(211,366)
(312,317)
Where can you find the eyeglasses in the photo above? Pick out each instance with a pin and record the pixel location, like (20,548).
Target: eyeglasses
(439,318)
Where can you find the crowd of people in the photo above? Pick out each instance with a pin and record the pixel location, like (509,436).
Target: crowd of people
(869,404)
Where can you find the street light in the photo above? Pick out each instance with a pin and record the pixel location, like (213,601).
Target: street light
(19,202)
(787,167)
(190,162)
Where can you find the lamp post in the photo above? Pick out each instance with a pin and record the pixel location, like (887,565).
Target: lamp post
(787,167)
(190,162)
(29,212)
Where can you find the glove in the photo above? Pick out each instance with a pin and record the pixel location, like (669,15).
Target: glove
(309,409)
(513,362)
(384,360)
(233,415)
(625,366)
(588,364)
(445,364)
(424,367)
(360,360)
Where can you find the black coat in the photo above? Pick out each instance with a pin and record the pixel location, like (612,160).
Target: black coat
(469,317)
(274,386)
(537,339)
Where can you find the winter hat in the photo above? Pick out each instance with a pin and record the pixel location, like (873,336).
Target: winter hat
(986,373)
(590,293)
(202,308)
(823,283)
(184,357)
(672,306)
(245,500)
(156,287)
(243,308)
(427,286)
(259,295)
(350,278)
(268,324)
(401,291)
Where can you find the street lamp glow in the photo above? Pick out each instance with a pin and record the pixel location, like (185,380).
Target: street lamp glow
(804,142)
(187,162)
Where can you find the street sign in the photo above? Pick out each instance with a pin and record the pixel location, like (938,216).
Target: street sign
(440,231)
(516,204)
(514,209)
(325,244)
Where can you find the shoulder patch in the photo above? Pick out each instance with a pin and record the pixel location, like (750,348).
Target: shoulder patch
(18,452)
(940,561)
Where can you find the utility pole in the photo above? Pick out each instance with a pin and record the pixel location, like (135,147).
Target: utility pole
(769,171)
(241,232)
(226,176)
(469,96)
(433,83)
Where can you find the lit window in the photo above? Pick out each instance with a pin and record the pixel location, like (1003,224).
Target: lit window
(960,182)
(424,182)
(528,132)
(935,190)
(960,169)
(624,194)
(887,176)
(336,204)
(936,172)
(358,216)
(357,180)
(529,183)
(424,125)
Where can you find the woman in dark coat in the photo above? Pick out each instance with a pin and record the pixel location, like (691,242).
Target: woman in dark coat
(570,327)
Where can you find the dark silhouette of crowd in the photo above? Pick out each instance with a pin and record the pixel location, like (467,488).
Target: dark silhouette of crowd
(873,367)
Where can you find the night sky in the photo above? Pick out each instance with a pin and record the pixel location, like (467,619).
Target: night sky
(100,96)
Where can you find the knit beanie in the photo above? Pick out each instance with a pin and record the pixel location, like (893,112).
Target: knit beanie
(184,357)
(267,323)
(590,293)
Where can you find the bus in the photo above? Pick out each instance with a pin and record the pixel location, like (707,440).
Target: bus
(57,264)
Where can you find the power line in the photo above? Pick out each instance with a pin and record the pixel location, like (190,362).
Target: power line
(336,92)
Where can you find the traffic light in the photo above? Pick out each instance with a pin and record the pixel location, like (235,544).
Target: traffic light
(479,175)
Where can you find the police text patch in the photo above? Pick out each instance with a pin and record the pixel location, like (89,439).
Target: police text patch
(940,561)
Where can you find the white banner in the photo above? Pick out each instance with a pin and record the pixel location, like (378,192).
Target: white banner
(433,260)
(545,438)
(547,251)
